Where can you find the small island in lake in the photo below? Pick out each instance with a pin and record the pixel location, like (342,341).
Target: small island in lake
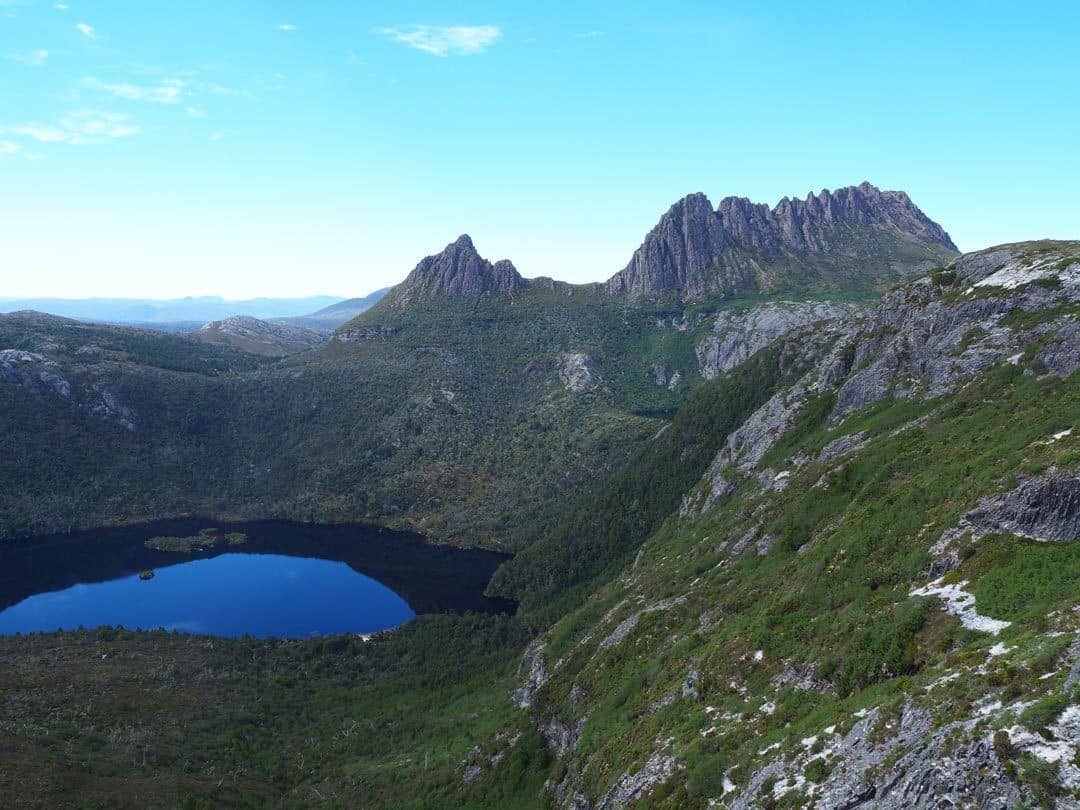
(205,539)
(146,575)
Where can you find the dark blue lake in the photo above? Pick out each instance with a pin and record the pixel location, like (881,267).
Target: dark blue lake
(285,580)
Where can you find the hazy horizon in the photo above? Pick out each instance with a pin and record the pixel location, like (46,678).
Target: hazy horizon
(361,294)
(211,297)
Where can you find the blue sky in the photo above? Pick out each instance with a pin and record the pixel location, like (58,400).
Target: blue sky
(287,148)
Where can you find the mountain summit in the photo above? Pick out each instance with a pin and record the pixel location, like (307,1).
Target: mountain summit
(695,250)
(458,271)
(857,239)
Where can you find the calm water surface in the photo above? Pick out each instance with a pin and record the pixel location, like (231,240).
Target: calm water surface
(288,580)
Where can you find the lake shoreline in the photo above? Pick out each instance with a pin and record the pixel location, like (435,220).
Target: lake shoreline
(428,578)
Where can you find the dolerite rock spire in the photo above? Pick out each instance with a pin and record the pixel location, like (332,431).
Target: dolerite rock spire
(679,253)
(695,250)
(458,271)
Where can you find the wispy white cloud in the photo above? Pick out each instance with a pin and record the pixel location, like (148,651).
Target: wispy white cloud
(441,40)
(41,133)
(9,147)
(86,30)
(219,89)
(286,27)
(92,124)
(76,128)
(195,112)
(168,91)
(32,58)
(589,34)
(61,6)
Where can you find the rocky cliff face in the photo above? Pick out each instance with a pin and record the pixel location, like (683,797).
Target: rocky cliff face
(922,341)
(695,250)
(1045,509)
(458,271)
(738,335)
(859,236)
(928,338)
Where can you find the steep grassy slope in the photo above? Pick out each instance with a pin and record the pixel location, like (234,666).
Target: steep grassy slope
(739,636)
(597,533)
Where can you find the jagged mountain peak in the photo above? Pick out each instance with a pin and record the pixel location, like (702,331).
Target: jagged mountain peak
(464,240)
(695,250)
(694,200)
(459,270)
(462,245)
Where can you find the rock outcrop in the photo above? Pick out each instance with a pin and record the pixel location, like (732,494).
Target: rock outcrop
(562,737)
(535,674)
(738,335)
(917,765)
(459,271)
(577,372)
(1011,266)
(34,372)
(695,250)
(376,332)
(1045,508)
(824,352)
(630,787)
(40,375)
(925,339)
(930,337)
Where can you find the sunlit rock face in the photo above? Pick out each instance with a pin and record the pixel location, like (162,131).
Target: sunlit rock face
(696,250)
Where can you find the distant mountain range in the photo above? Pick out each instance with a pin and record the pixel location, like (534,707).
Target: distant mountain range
(330,318)
(278,337)
(189,314)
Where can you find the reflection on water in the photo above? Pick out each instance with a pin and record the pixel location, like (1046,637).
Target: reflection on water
(287,580)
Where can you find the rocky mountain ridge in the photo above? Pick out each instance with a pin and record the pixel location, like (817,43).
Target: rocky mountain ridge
(695,250)
(853,237)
